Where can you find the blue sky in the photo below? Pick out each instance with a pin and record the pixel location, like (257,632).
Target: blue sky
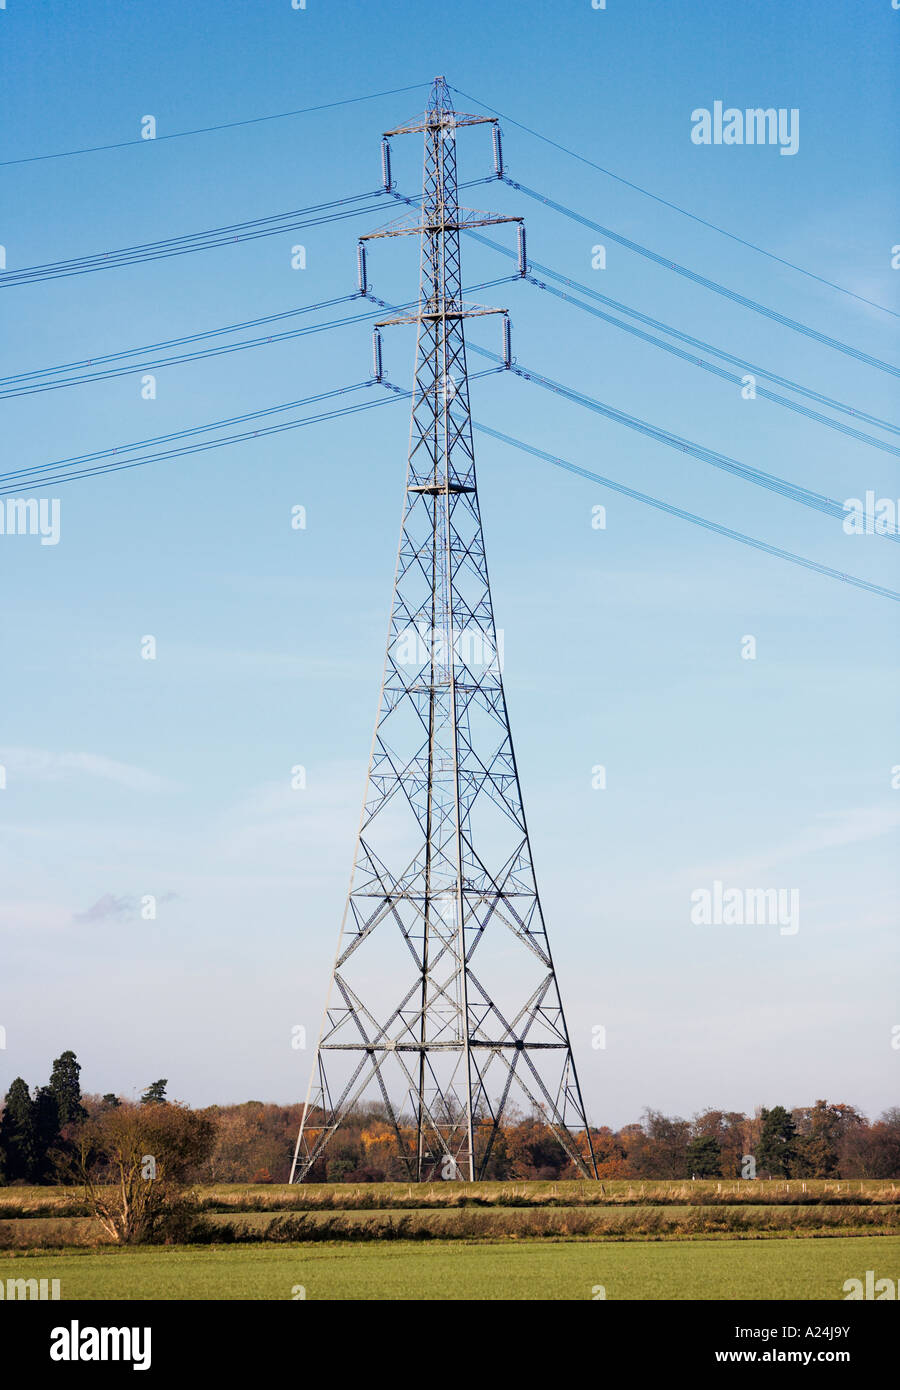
(128,777)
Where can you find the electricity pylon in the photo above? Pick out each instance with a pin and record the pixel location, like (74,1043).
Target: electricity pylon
(443,999)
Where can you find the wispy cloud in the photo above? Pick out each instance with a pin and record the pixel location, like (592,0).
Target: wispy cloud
(113,908)
(109,906)
(831,830)
(41,764)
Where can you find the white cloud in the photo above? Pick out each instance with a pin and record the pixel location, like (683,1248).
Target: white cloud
(832,829)
(40,764)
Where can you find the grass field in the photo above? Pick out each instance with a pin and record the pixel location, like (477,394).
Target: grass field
(384,1196)
(523,1240)
(440,1270)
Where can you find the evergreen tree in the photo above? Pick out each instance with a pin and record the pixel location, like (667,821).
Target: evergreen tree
(704,1157)
(18,1138)
(46,1132)
(155,1093)
(776,1150)
(65,1086)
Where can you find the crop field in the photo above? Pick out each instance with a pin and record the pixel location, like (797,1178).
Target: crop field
(524,1240)
(528,1269)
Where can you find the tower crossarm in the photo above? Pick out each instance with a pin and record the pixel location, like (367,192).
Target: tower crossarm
(442,122)
(452,311)
(463,220)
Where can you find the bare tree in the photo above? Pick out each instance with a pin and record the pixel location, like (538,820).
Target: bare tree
(136,1162)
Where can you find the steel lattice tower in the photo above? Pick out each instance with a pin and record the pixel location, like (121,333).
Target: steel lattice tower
(444,999)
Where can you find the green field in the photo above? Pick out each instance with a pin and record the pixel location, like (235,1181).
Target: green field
(522,1240)
(719,1269)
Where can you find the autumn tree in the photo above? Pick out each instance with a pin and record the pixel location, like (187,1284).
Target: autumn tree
(609,1152)
(533,1150)
(497,1156)
(135,1162)
(822,1130)
(659,1148)
(872,1151)
(731,1130)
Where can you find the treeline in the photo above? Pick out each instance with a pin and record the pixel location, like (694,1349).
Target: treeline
(44,1130)
(39,1128)
(819,1141)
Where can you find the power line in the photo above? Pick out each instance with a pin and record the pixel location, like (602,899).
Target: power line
(179,342)
(415,86)
(45,479)
(250,230)
(115,450)
(694,342)
(287,335)
(194,241)
(42,474)
(712,226)
(206,130)
(713,285)
(745,366)
(222,349)
(785,488)
(719,371)
(804,496)
(714,526)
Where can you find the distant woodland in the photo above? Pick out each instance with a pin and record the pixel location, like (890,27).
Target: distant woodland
(54,1132)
